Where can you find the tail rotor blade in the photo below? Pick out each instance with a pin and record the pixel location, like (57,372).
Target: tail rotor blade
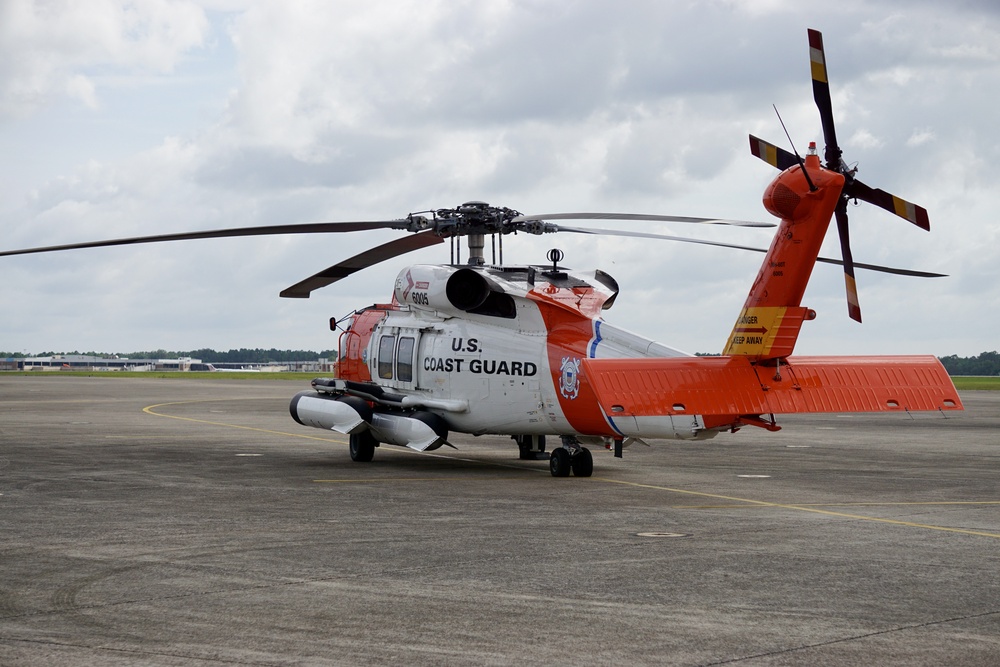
(821,94)
(904,209)
(771,154)
(853,305)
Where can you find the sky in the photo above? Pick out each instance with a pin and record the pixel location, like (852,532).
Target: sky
(122,119)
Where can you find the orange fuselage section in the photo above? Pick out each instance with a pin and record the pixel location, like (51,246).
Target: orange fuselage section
(353,364)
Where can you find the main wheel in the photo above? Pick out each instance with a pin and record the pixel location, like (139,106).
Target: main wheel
(583,463)
(559,464)
(363,447)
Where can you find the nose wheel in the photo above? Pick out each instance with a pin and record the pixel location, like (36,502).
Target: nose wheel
(570,458)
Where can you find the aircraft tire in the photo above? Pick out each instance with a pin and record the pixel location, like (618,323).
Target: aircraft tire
(583,463)
(362,447)
(559,463)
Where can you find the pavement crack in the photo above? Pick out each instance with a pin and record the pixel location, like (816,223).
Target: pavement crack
(842,640)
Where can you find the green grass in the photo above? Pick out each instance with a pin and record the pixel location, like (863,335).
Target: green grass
(972,382)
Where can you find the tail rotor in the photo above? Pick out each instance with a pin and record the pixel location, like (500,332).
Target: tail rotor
(833,157)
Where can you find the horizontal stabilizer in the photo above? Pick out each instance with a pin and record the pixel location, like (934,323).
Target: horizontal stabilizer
(735,386)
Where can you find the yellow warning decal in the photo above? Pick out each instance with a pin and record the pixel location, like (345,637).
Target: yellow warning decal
(766,331)
(754,330)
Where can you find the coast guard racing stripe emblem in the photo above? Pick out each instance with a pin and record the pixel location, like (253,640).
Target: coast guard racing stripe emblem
(569,379)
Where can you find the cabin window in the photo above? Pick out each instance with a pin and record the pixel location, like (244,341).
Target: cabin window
(385,347)
(404,360)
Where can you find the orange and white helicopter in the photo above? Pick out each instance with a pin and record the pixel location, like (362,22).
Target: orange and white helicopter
(523,351)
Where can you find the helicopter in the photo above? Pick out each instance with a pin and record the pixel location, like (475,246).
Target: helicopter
(523,350)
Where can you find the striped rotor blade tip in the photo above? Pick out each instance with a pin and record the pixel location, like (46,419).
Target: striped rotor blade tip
(765,151)
(853,303)
(817,57)
(771,154)
(915,214)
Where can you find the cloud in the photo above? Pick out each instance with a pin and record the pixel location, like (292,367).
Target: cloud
(349,111)
(49,49)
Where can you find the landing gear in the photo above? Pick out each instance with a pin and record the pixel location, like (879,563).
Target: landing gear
(532,447)
(363,447)
(570,456)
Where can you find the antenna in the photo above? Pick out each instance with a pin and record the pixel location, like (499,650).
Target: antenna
(812,187)
(555,256)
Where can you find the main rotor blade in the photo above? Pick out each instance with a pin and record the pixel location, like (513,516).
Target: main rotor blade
(821,94)
(904,209)
(267,230)
(853,305)
(684,239)
(640,216)
(771,154)
(332,274)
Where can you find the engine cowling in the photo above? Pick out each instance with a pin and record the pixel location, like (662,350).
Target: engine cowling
(442,288)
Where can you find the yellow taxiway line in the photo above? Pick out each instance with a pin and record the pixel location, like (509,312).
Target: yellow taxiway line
(813,508)
(151,410)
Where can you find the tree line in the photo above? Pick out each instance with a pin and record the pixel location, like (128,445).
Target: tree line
(987,363)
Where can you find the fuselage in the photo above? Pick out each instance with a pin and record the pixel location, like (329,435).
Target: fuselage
(504,345)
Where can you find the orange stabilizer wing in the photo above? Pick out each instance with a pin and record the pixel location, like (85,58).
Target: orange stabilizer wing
(734,386)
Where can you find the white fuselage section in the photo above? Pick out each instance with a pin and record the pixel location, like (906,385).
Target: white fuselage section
(499,369)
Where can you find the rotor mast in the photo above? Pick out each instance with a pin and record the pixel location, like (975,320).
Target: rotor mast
(477,242)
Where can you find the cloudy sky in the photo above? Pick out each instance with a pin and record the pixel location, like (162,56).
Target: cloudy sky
(134,118)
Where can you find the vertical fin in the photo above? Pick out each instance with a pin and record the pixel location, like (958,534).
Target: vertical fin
(769,323)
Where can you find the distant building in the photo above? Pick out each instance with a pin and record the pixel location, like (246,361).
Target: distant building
(83,362)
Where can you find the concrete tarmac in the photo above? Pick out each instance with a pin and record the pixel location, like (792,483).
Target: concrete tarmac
(180,522)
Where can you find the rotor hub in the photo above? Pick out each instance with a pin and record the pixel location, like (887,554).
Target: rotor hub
(472,218)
